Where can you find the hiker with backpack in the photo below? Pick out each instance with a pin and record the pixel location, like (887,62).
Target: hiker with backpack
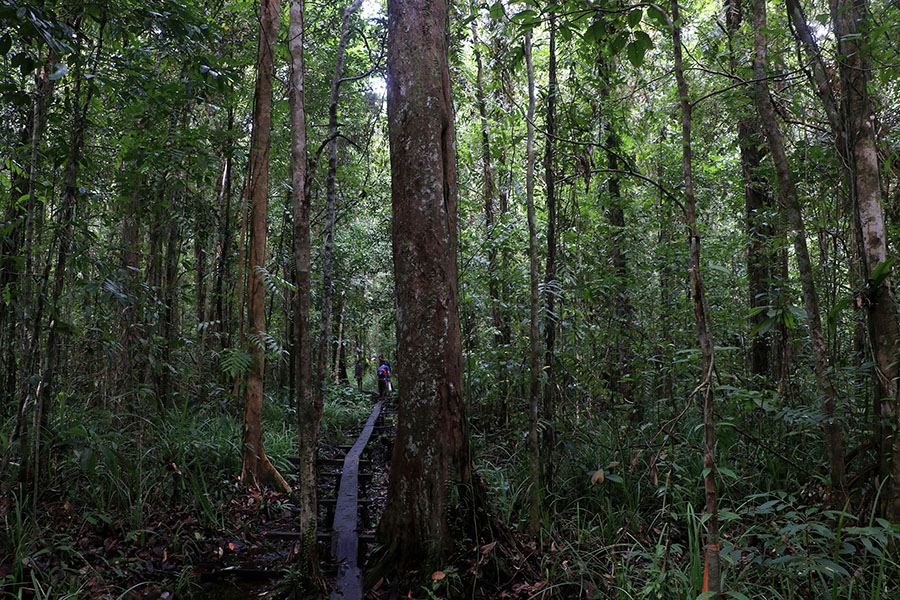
(384,377)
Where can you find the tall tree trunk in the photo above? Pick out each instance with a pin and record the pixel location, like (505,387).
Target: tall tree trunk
(321,374)
(256,468)
(167,326)
(309,411)
(127,371)
(338,357)
(431,453)
(790,202)
(760,234)
(202,281)
(757,207)
(488,190)
(622,372)
(551,286)
(224,253)
(70,199)
(701,317)
(534,454)
(43,90)
(850,29)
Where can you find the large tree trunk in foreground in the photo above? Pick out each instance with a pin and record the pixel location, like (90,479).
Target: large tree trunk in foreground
(256,468)
(431,448)
(701,318)
(850,29)
(790,201)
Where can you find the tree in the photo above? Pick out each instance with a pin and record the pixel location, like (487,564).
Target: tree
(701,315)
(322,363)
(534,343)
(790,203)
(431,449)
(551,285)
(309,407)
(850,29)
(257,469)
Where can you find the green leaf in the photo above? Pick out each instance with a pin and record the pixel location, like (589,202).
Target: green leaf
(634,17)
(497,11)
(656,15)
(526,16)
(641,37)
(5,44)
(635,54)
(617,44)
(881,272)
(727,472)
(738,595)
(763,328)
(593,33)
(756,311)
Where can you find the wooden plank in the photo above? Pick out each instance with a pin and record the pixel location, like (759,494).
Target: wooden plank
(345,541)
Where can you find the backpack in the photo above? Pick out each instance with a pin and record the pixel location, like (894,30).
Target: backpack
(383,372)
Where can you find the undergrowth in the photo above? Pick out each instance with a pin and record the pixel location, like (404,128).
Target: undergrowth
(122,475)
(624,511)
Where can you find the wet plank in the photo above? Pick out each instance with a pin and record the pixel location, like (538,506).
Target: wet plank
(345,541)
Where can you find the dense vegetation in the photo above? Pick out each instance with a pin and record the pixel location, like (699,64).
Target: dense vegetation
(679,333)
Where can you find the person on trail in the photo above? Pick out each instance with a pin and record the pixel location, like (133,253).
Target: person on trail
(384,377)
(358,373)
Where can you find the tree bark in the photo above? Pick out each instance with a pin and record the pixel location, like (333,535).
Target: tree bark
(431,449)
(222,267)
(758,208)
(757,217)
(701,317)
(850,29)
(309,411)
(202,281)
(551,286)
(256,468)
(42,93)
(790,202)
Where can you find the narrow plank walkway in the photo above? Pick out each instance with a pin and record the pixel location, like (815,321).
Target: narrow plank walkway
(345,543)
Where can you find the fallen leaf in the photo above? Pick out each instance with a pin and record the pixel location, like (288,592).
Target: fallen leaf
(437,575)
(488,547)
(597,477)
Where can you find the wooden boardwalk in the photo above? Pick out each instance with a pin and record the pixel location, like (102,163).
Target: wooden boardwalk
(345,540)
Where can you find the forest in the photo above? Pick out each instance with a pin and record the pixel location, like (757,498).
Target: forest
(630,265)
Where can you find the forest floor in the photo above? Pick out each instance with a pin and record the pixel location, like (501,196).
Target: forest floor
(240,549)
